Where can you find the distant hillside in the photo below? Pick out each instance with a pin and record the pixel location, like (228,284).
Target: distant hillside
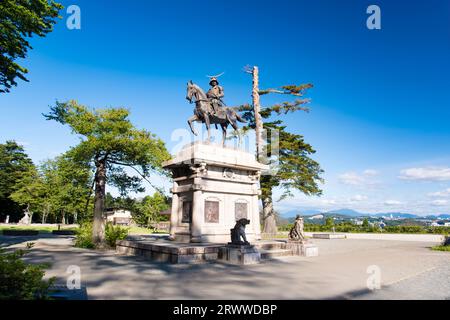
(346,212)
(293,213)
(441,216)
(397,215)
(353,213)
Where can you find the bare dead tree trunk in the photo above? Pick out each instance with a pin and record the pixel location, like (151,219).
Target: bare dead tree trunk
(268,214)
(270,223)
(98,230)
(257,111)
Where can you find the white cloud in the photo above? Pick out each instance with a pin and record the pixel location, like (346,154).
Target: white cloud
(393,203)
(328,202)
(351,178)
(440,194)
(370,172)
(357,179)
(358,198)
(438,203)
(426,174)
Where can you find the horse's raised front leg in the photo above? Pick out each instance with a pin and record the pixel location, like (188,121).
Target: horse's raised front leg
(190,121)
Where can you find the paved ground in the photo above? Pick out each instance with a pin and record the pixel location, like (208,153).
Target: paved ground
(409,270)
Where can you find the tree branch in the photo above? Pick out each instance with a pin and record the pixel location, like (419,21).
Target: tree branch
(142,176)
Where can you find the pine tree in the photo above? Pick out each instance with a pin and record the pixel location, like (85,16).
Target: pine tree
(296,169)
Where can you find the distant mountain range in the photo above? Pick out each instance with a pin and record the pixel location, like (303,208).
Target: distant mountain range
(354,213)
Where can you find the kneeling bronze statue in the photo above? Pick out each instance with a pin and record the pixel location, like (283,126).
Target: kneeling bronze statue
(238,232)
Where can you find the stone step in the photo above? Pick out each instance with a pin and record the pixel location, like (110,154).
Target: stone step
(271,245)
(269,254)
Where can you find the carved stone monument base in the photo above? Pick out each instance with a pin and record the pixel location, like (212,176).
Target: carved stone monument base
(213,187)
(239,254)
(302,248)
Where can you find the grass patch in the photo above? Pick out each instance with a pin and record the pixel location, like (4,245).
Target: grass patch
(135,230)
(441,248)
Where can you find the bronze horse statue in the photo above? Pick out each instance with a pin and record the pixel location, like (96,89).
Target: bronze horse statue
(204,113)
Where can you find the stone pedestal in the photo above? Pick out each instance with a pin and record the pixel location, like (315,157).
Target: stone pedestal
(302,248)
(239,254)
(213,187)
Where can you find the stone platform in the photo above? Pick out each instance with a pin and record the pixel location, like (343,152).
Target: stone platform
(162,250)
(171,252)
(239,254)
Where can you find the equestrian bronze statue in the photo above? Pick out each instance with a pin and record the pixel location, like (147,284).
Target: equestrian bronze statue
(210,109)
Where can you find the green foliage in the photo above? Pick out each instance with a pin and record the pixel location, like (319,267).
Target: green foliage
(351,227)
(20,280)
(110,143)
(109,137)
(114,233)
(147,211)
(285,227)
(59,187)
(67,185)
(365,223)
(441,248)
(84,236)
(296,169)
(405,229)
(19,20)
(14,166)
(127,203)
(28,189)
(329,222)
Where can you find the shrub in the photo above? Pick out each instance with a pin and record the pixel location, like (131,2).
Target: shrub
(20,280)
(84,236)
(114,233)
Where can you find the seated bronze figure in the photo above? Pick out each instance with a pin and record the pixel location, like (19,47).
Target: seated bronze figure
(238,232)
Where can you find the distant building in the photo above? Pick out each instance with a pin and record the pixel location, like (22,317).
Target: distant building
(119,216)
(318,216)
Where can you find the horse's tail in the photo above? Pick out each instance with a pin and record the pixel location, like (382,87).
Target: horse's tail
(239,118)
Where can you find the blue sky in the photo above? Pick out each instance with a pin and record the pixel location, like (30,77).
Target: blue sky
(380,106)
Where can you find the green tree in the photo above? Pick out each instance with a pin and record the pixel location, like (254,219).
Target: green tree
(59,186)
(20,20)
(14,164)
(110,142)
(147,211)
(365,223)
(296,169)
(67,186)
(329,222)
(29,191)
